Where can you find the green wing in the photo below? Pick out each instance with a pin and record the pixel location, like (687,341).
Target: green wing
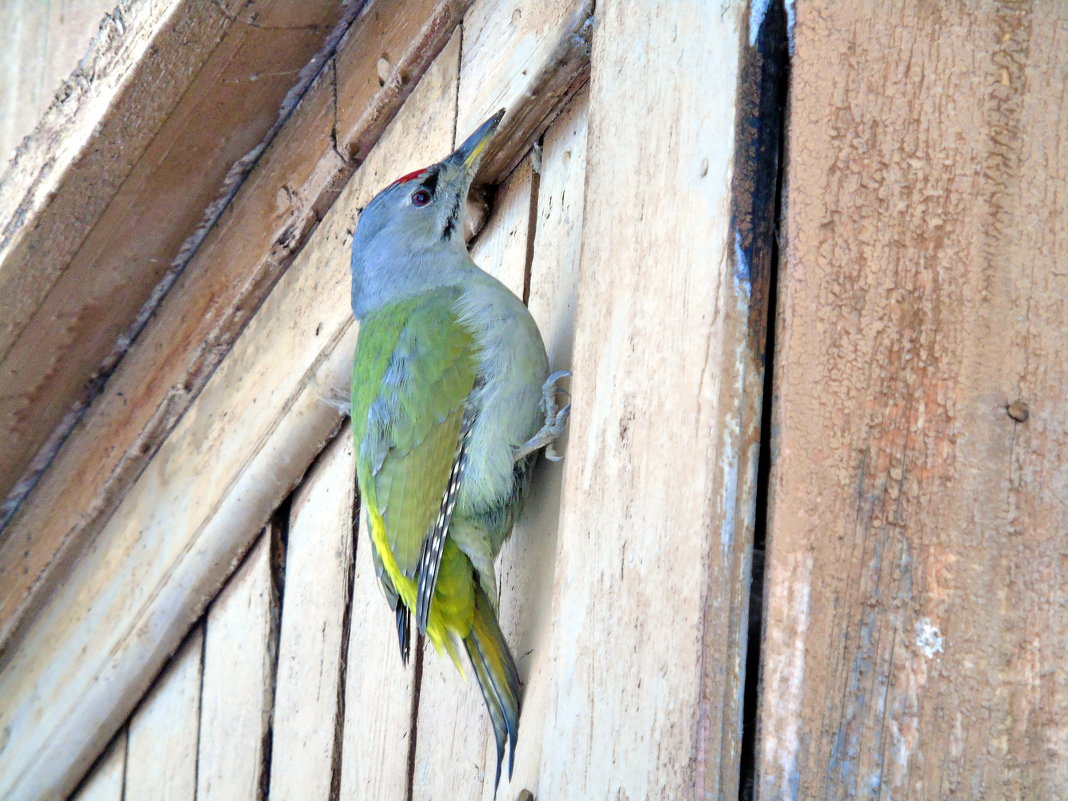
(414,370)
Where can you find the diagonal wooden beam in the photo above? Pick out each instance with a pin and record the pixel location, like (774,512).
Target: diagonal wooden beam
(291,186)
(97,216)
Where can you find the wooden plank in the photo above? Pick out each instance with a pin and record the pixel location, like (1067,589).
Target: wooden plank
(917,620)
(452,726)
(196,506)
(308,714)
(81,104)
(518,50)
(379,691)
(657,495)
(75,276)
(281,200)
(105,780)
(161,759)
(41,42)
(237,699)
(526,568)
(455,757)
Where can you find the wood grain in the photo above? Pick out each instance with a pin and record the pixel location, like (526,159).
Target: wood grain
(379,690)
(516,51)
(237,695)
(917,622)
(657,495)
(75,276)
(308,713)
(161,758)
(280,202)
(527,565)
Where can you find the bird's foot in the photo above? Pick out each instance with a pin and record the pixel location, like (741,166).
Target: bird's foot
(555,420)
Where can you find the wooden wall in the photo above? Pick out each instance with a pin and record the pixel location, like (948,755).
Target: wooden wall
(200,619)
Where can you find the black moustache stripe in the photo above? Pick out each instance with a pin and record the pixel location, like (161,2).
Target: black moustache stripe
(450,223)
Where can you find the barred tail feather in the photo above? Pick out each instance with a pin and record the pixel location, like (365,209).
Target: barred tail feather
(497,678)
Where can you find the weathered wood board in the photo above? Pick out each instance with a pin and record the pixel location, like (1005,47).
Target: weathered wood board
(237,697)
(451,755)
(42,42)
(75,275)
(285,195)
(917,617)
(308,714)
(527,565)
(515,51)
(161,752)
(379,691)
(195,509)
(657,489)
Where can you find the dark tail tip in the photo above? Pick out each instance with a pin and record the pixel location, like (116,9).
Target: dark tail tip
(497,678)
(404,631)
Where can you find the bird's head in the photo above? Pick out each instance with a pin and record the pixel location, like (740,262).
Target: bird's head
(408,232)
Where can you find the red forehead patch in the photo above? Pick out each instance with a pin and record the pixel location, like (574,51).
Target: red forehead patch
(409,177)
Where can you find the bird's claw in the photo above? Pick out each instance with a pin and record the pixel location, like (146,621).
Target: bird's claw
(555,420)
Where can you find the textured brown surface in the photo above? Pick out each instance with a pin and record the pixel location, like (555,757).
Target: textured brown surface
(918,622)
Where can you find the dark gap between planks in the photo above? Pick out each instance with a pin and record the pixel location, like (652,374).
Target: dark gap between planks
(765,79)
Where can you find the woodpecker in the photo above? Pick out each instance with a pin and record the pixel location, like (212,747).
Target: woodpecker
(451,401)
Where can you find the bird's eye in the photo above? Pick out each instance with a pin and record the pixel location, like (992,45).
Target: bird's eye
(420,197)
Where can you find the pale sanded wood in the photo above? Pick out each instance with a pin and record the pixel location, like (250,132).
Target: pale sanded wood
(308,714)
(657,494)
(527,565)
(379,690)
(452,727)
(161,758)
(197,506)
(917,618)
(76,271)
(105,780)
(237,699)
(291,186)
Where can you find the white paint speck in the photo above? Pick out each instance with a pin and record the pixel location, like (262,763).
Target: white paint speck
(928,638)
(757,11)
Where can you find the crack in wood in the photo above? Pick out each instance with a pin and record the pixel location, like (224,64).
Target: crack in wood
(757,197)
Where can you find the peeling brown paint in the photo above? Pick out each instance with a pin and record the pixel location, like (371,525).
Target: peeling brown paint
(923,306)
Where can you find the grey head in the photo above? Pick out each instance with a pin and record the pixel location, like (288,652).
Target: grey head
(409,238)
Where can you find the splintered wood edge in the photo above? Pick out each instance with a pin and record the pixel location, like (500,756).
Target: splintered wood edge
(42,158)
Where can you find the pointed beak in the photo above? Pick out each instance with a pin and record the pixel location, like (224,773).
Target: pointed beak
(468,156)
